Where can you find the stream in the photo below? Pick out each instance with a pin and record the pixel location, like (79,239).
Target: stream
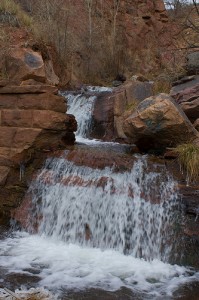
(103,224)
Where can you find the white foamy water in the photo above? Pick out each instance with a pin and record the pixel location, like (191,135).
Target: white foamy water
(74,267)
(130,211)
(81,105)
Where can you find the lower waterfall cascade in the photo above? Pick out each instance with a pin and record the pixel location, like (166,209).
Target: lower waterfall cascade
(105,227)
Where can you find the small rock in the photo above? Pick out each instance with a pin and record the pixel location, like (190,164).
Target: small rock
(183,80)
(116,83)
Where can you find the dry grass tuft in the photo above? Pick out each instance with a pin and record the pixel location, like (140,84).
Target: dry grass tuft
(12,13)
(162,86)
(188,156)
(132,106)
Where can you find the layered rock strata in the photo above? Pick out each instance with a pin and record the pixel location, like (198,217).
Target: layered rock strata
(32,119)
(187,96)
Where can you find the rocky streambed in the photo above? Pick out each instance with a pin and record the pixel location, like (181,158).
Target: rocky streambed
(104,222)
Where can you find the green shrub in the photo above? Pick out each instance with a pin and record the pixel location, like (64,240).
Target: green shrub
(188,156)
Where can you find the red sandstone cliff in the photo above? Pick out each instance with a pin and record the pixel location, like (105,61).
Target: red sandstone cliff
(33,119)
(97,42)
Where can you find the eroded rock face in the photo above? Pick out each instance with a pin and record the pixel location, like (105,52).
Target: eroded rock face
(23,61)
(33,120)
(187,96)
(196,124)
(140,43)
(193,62)
(110,107)
(158,123)
(23,64)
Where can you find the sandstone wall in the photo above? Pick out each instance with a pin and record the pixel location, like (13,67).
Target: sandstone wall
(33,121)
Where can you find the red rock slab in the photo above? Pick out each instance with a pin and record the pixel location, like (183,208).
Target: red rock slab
(3,174)
(187,94)
(28,89)
(5,161)
(4,82)
(7,136)
(44,101)
(191,109)
(25,137)
(5,151)
(17,118)
(47,119)
(8,101)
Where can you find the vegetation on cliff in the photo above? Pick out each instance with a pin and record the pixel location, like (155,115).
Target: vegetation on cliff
(188,156)
(108,37)
(13,14)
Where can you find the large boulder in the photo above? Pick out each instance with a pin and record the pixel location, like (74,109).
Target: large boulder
(110,106)
(158,123)
(24,64)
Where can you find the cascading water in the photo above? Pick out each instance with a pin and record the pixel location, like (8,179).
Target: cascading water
(106,209)
(81,106)
(101,227)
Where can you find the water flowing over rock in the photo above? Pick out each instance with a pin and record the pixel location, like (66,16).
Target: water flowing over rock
(104,108)
(98,218)
(104,208)
(158,123)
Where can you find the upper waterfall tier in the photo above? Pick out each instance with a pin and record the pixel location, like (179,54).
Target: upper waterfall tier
(81,104)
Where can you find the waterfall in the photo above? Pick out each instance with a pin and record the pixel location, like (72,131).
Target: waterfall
(81,106)
(127,211)
(98,226)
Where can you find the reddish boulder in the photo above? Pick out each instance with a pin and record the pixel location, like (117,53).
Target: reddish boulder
(24,64)
(187,96)
(158,123)
(191,109)
(110,107)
